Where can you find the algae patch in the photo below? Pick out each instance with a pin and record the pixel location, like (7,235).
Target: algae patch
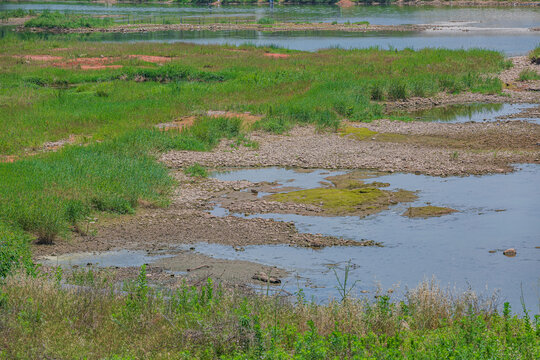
(428,211)
(358,133)
(354,179)
(362,201)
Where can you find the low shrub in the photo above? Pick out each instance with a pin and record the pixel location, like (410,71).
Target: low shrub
(265,21)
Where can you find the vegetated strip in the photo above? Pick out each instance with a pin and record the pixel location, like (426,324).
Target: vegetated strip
(43,317)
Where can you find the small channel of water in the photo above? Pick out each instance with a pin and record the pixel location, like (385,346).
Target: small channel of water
(476,112)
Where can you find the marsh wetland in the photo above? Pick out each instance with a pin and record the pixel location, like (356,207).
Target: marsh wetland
(255,182)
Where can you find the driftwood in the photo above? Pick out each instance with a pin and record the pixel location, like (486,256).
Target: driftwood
(199,267)
(265,278)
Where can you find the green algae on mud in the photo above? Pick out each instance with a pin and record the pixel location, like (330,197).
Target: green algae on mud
(362,200)
(354,179)
(428,211)
(358,133)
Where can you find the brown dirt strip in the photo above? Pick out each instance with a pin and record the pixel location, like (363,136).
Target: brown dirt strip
(151,58)
(277,56)
(38,57)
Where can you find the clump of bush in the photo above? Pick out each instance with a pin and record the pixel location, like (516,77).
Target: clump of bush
(58,20)
(265,21)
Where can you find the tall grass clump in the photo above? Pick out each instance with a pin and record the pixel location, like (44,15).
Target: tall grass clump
(17,13)
(49,194)
(397,90)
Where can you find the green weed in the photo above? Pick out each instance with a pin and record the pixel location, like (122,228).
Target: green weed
(528,74)
(196,170)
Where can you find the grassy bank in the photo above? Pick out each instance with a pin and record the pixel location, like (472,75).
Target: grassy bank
(49,101)
(38,319)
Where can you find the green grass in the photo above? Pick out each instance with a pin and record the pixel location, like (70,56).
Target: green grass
(196,170)
(17,13)
(112,113)
(14,250)
(58,20)
(528,74)
(39,319)
(42,104)
(50,195)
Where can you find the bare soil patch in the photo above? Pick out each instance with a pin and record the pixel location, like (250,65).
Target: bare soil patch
(180,267)
(277,56)
(39,57)
(280,27)
(15,21)
(177,125)
(152,59)
(246,117)
(427,211)
(200,267)
(186,121)
(345,3)
(90,63)
(8,158)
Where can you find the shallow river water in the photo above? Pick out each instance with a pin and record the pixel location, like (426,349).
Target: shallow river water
(476,112)
(503,29)
(496,212)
